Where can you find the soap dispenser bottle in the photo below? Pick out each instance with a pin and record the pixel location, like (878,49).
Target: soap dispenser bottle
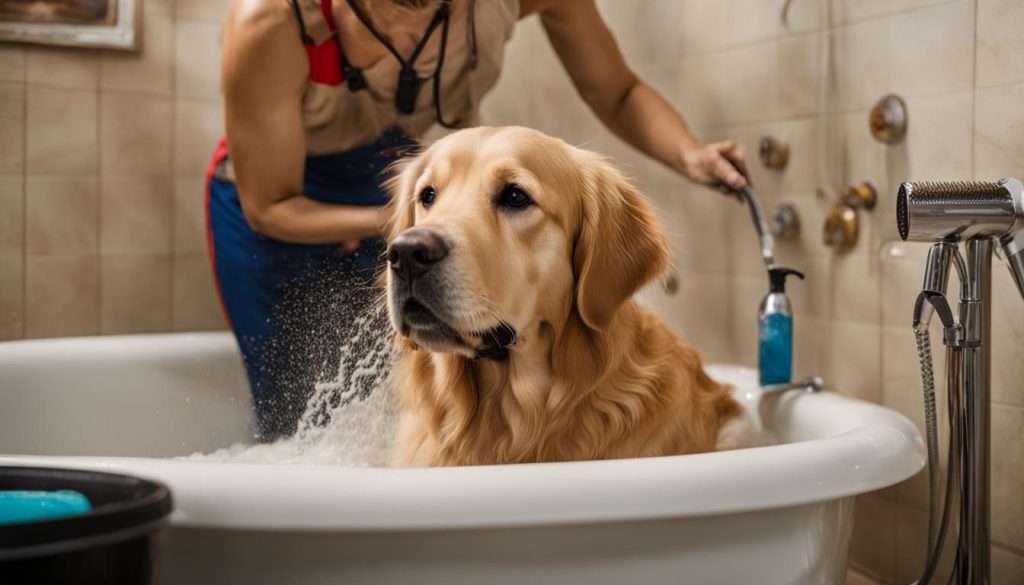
(775,330)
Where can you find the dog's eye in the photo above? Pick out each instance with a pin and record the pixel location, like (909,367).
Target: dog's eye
(513,196)
(427,196)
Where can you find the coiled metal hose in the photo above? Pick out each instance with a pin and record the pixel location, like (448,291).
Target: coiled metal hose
(924,354)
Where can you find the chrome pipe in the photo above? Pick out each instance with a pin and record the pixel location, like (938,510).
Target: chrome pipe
(976,318)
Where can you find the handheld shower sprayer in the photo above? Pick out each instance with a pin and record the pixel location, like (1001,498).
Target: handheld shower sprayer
(980,215)
(960,210)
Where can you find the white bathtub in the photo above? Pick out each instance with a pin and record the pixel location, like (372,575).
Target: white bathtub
(771,515)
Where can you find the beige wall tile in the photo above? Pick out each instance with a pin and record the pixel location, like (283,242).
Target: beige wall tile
(756,20)
(136,215)
(855,361)
(856,578)
(197,128)
(935,48)
(62,216)
(747,88)
(694,220)
(808,333)
(702,25)
(1000,44)
(62,296)
(700,313)
(856,288)
(798,74)
(699,89)
(999,132)
(12,62)
(911,536)
(139,143)
(151,70)
(648,32)
(12,128)
(857,10)
(1007,567)
(873,545)
(211,11)
(197,60)
(1007,338)
(189,215)
(1008,475)
(863,55)
(136,293)
(902,271)
(938,142)
(807,248)
(745,296)
(12,297)
(11,258)
(195,304)
(62,131)
(800,177)
(12,209)
(60,67)
(864,158)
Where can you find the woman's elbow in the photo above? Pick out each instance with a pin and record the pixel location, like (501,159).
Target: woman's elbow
(259,219)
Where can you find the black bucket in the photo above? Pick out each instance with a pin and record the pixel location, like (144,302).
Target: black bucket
(109,545)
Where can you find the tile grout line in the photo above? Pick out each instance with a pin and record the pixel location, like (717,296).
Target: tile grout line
(99,197)
(974,94)
(24,197)
(173,253)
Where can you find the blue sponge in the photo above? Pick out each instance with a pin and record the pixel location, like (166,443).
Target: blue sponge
(29,506)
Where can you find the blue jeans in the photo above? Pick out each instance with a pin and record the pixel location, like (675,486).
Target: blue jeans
(286,302)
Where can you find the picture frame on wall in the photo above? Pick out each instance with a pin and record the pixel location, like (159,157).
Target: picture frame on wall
(109,24)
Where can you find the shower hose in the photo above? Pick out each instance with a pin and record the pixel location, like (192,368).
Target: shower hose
(936,541)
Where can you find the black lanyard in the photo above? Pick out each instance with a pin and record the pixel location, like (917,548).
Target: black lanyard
(409,82)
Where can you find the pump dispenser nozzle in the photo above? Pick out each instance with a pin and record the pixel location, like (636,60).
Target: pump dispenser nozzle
(777,277)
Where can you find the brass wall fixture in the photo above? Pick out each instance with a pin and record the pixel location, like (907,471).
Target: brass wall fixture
(774,153)
(888,119)
(785,222)
(842,226)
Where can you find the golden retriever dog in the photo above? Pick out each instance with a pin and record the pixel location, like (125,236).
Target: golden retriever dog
(512,261)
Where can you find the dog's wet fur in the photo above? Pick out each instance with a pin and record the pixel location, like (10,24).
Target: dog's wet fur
(513,259)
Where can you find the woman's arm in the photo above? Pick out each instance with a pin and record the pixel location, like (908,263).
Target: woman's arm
(264,76)
(624,103)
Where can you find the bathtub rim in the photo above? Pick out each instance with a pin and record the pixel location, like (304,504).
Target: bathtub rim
(859,447)
(325,497)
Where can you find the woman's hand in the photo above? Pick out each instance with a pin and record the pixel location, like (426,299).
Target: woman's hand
(715,164)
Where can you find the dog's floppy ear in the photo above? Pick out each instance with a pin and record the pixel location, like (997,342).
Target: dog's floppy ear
(619,247)
(399,186)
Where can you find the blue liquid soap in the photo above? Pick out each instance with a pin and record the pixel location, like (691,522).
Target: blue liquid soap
(775,352)
(31,506)
(775,331)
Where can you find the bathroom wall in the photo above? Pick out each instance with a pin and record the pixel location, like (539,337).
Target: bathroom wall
(102,155)
(736,71)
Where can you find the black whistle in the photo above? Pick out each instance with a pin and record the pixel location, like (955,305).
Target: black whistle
(408,90)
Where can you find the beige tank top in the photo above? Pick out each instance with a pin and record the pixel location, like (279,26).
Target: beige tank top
(337,119)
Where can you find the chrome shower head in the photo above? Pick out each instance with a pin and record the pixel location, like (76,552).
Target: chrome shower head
(959,210)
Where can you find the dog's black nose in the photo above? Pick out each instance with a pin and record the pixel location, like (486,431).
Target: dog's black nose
(415,251)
